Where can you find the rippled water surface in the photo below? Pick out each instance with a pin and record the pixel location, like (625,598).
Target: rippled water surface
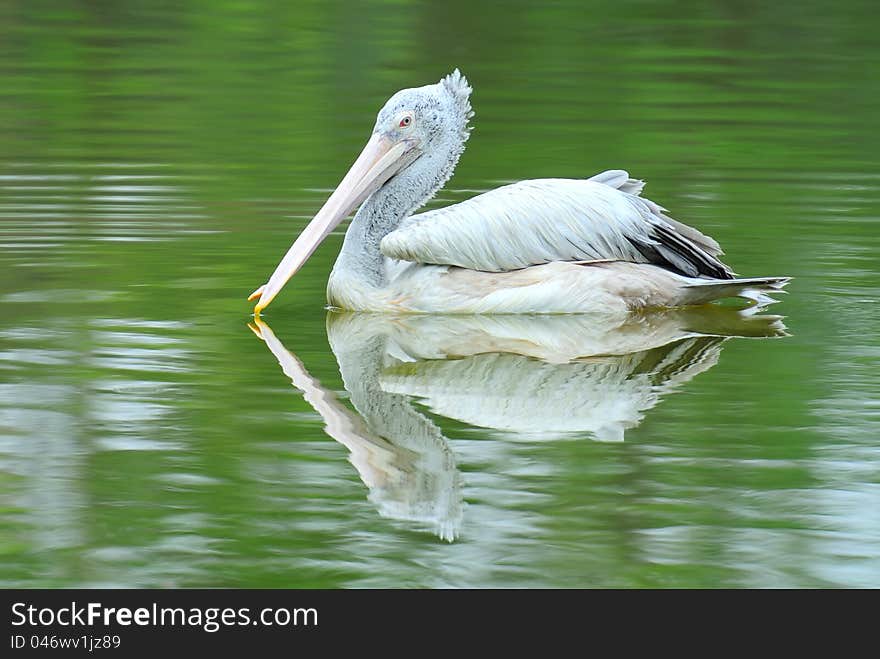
(157,158)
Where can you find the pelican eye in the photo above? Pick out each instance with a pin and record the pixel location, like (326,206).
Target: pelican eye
(406,121)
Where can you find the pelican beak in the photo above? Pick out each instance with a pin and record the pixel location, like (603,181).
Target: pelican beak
(381,159)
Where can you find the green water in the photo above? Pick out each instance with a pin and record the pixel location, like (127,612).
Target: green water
(156,159)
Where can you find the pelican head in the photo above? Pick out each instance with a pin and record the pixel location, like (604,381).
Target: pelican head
(419,135)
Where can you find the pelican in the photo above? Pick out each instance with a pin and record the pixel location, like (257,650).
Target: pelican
(538,246)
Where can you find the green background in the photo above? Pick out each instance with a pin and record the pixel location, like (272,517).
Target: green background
(156,159)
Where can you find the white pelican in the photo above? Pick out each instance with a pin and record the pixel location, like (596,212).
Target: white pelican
(540,246)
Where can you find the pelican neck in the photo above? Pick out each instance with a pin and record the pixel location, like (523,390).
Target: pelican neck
(379,215)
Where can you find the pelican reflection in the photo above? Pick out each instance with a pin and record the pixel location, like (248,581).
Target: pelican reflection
(531,376)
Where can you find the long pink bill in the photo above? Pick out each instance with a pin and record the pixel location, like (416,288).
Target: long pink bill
(378,162)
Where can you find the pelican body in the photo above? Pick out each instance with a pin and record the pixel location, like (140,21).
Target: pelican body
(538,246)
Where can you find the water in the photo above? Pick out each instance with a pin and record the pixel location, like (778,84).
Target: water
(158,158)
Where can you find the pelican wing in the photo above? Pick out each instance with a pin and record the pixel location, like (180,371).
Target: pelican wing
(539,221)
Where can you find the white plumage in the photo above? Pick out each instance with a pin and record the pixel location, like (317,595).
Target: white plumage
(541,221)
(540,246)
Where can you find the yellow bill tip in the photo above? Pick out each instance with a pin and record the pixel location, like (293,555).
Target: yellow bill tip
(257,309)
